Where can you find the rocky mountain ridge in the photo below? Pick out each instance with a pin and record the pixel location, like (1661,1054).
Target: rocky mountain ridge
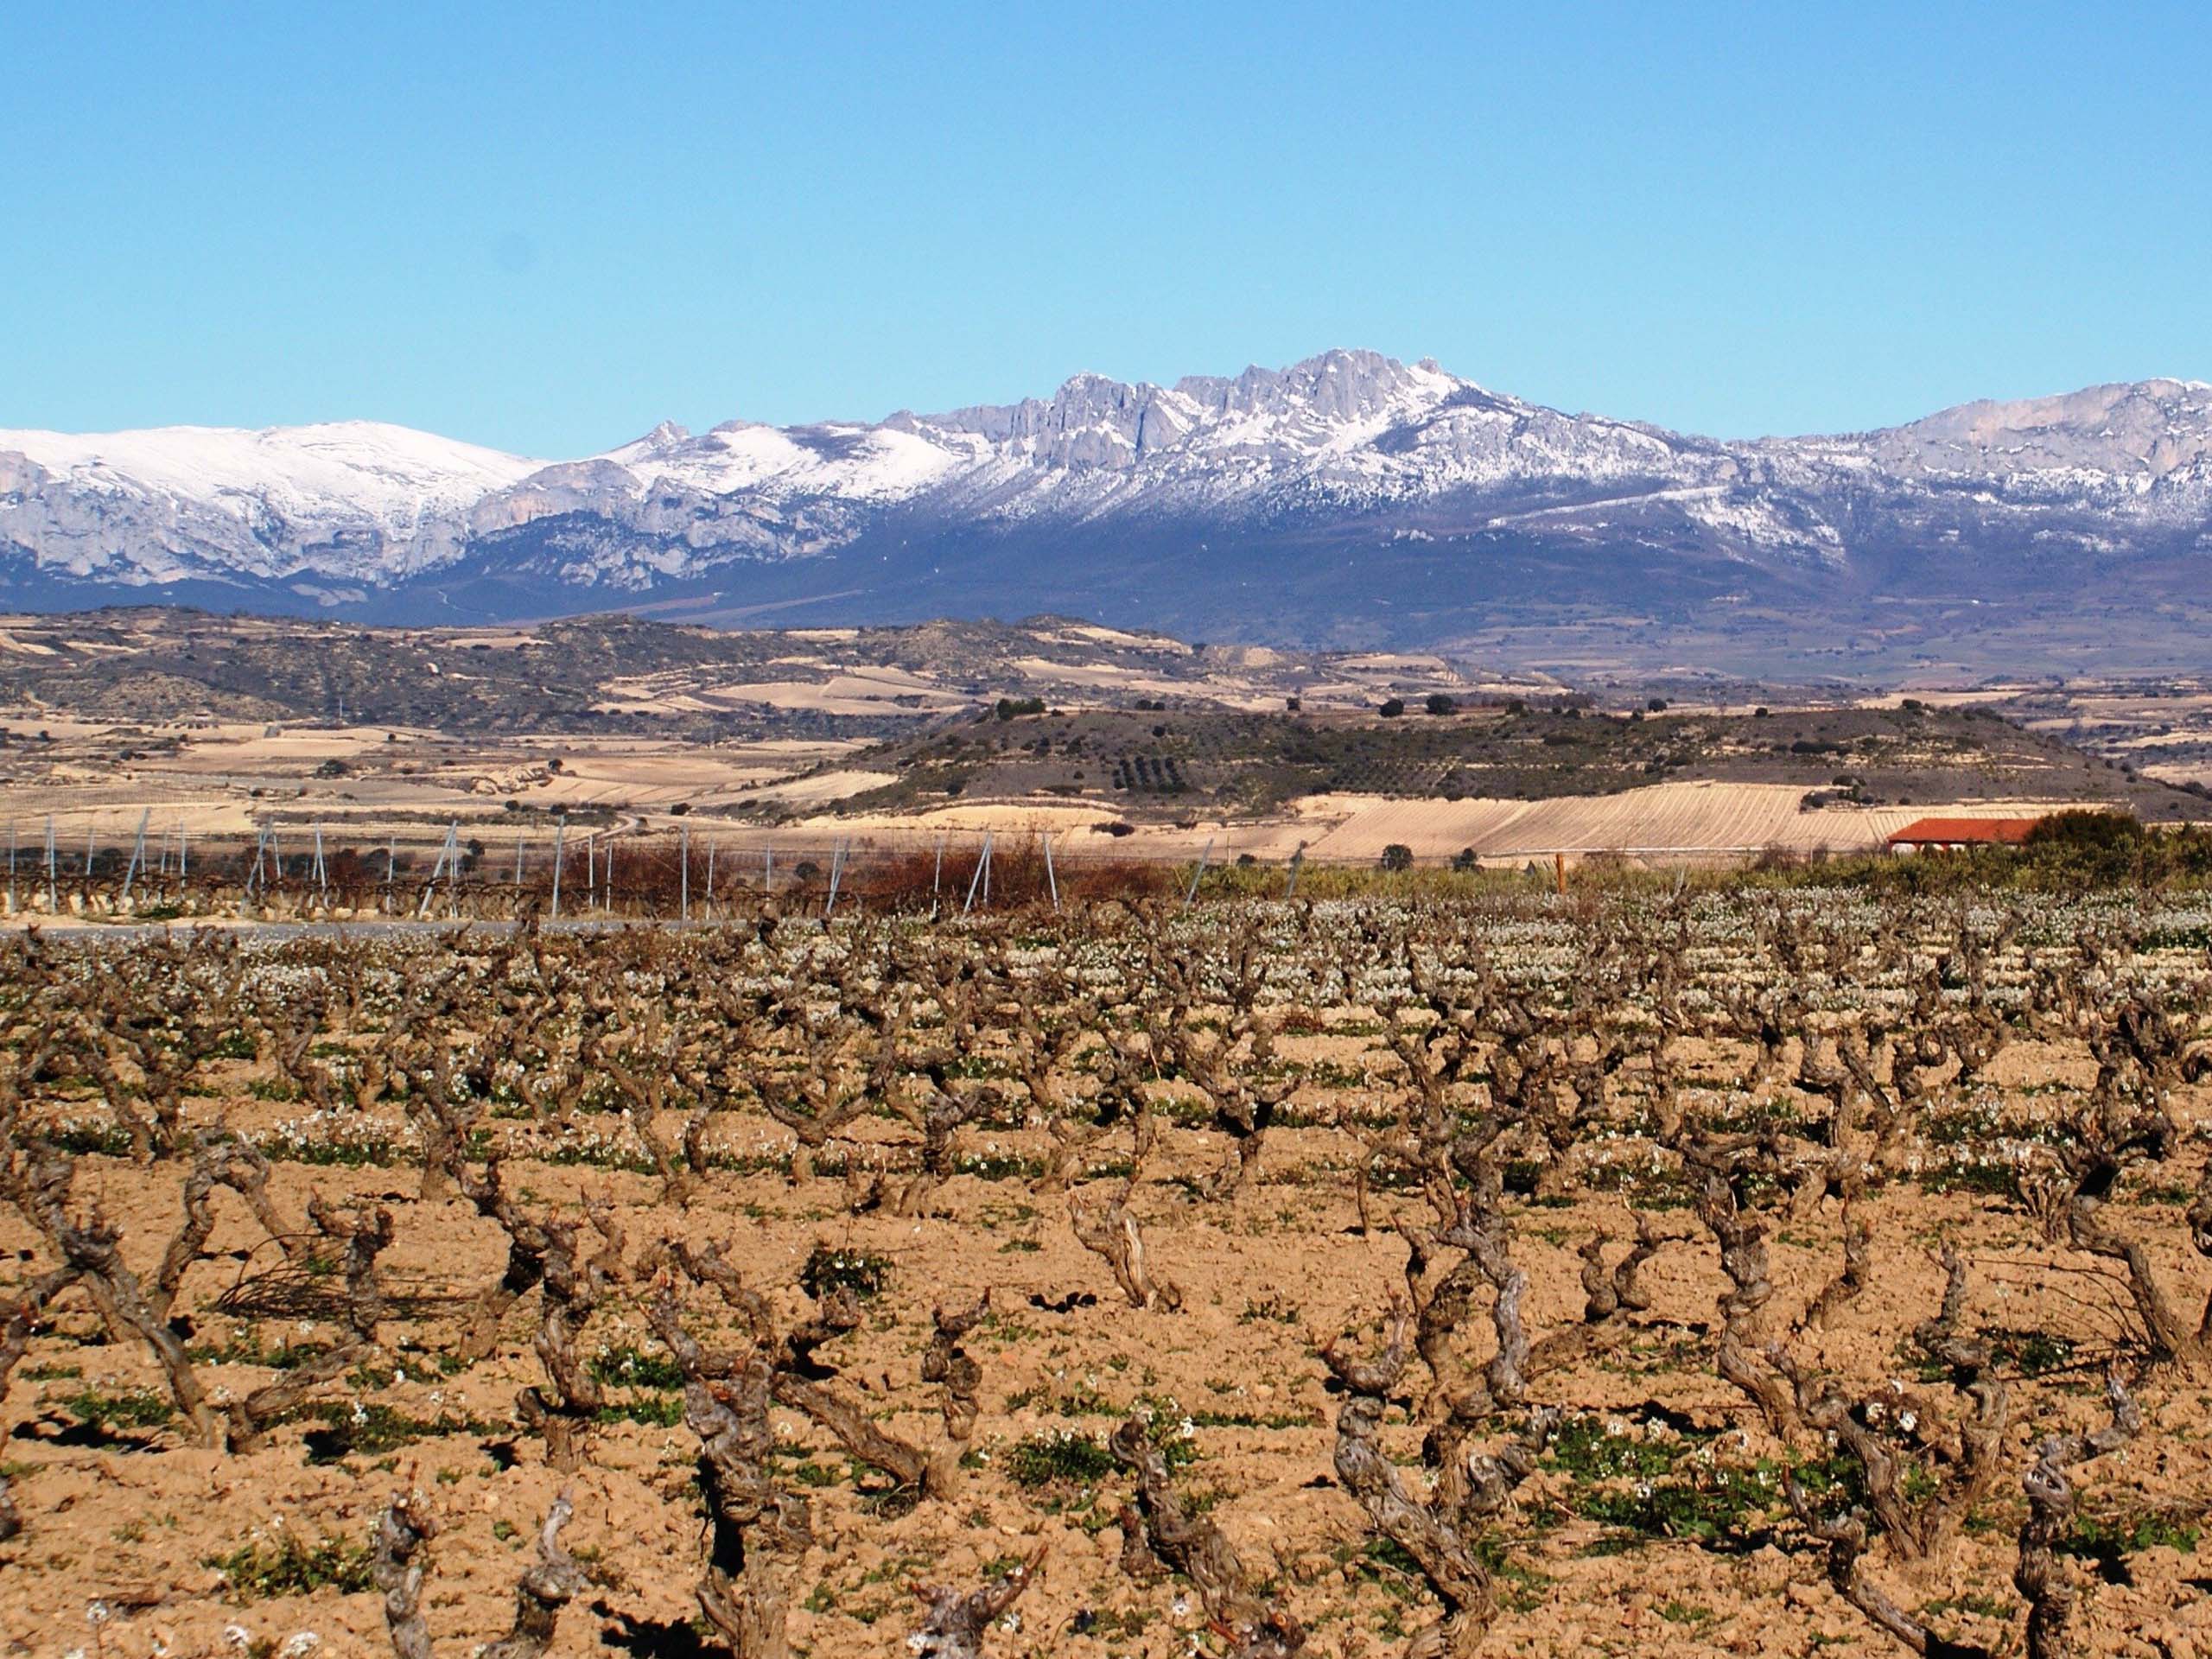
(1313,483)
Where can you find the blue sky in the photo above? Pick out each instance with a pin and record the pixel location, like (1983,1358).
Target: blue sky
(546,227)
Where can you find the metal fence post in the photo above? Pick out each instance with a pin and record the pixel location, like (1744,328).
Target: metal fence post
(137,856)
(982,866)
(1195,874)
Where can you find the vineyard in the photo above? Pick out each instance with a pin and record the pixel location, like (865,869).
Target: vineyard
(593,876)
(1719,1271)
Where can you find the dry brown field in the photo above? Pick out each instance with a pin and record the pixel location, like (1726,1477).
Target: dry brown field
(210,726)
(1739,1273)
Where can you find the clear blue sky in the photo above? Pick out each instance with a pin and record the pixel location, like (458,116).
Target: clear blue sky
(547,227)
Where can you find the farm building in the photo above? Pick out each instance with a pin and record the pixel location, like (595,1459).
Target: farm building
(1950,835)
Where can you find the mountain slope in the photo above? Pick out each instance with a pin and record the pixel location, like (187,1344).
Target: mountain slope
(156,505)
(1347,497)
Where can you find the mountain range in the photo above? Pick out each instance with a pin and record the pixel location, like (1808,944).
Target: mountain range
(1348,500)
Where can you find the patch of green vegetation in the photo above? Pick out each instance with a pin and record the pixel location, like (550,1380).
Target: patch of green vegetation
(627,1367)
(2112,1537)
(654,1410)
(858,1271)
(806,1472)
(88,1140)
(1253,1420)
(1058,1457)
(244,1348)
(1586,1448)
(354,1428)
(2033,1353)
(130,1409)
(1664,1485)
(1074,1400)
(287,1565)
(1962,1172)
(1386,1563)
(1646,1183)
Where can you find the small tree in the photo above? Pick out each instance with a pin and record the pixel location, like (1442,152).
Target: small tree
(1439,703)
(1397,856)
(1394,708)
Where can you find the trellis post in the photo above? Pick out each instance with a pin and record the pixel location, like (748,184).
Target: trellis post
(559,835)
(449,862)
(430,886)
(257,881)
(982,870)
(1203,855)
(130,870)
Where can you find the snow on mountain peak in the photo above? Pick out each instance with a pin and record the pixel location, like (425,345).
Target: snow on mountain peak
(349,467)
(665,436)
(169,502)
(1342,439)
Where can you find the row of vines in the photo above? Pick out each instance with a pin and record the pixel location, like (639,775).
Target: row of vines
(1722,1271)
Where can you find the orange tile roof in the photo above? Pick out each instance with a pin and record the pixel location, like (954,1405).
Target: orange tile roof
(1977,831)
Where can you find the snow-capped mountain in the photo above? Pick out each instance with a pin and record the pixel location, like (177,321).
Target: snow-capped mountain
(352,498)
(1337,485)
